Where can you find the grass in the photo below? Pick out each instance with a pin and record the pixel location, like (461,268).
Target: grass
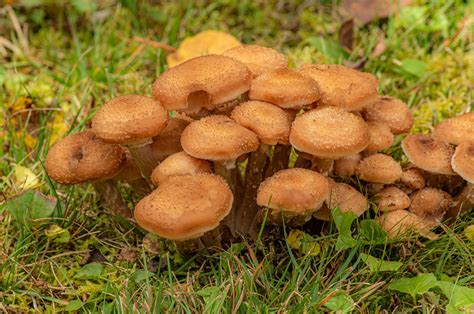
(75,56)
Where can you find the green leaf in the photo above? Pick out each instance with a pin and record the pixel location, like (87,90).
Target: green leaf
(469,232)
(84,6)
(90,271)
(413,67)
(411,17)
(459,297)
(57,234)
(236,248)
(377,265)
(416,285)
(303,242)
(371,232)
(74,305)
(340,302)
(31,207)
(343,223)
(141,275)
(328,47)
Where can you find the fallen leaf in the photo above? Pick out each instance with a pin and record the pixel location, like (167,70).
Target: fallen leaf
(31,207)
(377,265)
(341,302)
(346,34)
(57,127)
(380,47)
(416,285)
(366,11)
(24,178)
(57,234)
(90,271)
(128,254)
(204,43)
(469,232)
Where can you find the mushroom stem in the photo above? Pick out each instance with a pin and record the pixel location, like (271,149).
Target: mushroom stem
(323,166)
(229,172)
(142,154)
(111,197)
(247,211)
(302,162)
(140,186)
(187,247)
(463,202)
(280,159)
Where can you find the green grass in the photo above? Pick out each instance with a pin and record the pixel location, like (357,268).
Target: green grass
(75,57)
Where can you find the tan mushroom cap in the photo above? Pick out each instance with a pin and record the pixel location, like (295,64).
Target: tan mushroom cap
(329,132)
(463,161)
(179,164)
(346,198)
(168,142)
(83,157)
(392,112)
(343,87)
(429,154)
(285,88)
(271,123)
(456,130)
(202,82)
(294,190)
(392,198)
(346,166)
(128,119)
(379,168)
(430,204)
(258,59)
(380,137)
(218,138)
(130,171)
(185,207)
(413,178)
(400,223)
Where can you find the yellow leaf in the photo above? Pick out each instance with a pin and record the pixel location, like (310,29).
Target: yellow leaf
(204,43)
(58,128)
(24,178)
(469,232)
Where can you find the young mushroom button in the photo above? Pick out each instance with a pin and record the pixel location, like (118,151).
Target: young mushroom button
(400,223)
(392,198)
(392,112)
(456,130)
(379,168)
(430,204)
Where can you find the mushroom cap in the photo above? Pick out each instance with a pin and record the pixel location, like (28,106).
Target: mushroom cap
(341,86)
(202,82)
(218,138)
(429,154)
(413,178)
(130,171)
(379,168)
(83,157)
(346,166)
(346,198)
(392,112)
(380,137)
(392,198)
(399,223)
(271,123)
(430,204)
(128,119)
(179,164)
(285,88)
(258,59)
(456,130)
(294,190)
(185,207)
(463,160)
(168,142)
(329,132)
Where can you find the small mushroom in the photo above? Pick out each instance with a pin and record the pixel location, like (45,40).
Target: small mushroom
(258,59)
(179,164)
(346,166)
(133,176)
(413,178)
(463,160)
(400,223)
(132,120)
(341,86)
(168,142)
(391,112)
(392,198)
(380,137)
(456,130)
(83,157)
(202,82)
(379,168)
(185,208)
(285,88)
(429,154)
(430,204)
(463,202)
(293,194)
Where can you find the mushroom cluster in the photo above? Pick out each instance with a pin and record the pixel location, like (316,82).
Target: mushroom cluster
(231,141)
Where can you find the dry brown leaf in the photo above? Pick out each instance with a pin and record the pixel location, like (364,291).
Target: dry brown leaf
(366,11)
(204,43)
(346,34)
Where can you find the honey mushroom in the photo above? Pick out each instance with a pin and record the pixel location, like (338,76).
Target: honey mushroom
(346,166)
(391,112)
(392,198)
(401,223)
(83,157)
(456,130)
(168,142)
(186,209)
(430,204)
(413,178)
(462,161)
(380,137)
(379,168)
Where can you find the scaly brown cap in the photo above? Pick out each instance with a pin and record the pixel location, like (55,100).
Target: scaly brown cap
(329,132)
(392,112)
(83,157)
(346,198)
(392,198)
(202,82)
(218,138)
(379,168)
(380,137)
(179,164)
(271,123)
(285,88)
(430,204)
(429,154)
(258,59)
(341,86)
(463,160)
(128,119)
(413,178)
(168,142)
(400,223)
(185,207)
(456,130)
(346,166)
